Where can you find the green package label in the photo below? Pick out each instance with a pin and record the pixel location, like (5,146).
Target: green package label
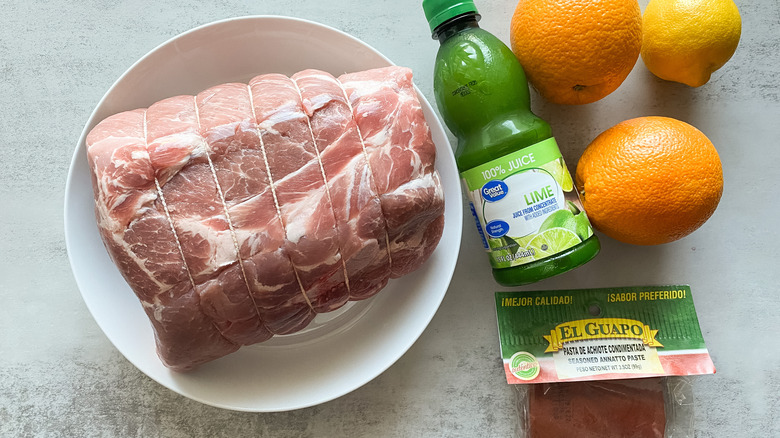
(609,333)
(525,205)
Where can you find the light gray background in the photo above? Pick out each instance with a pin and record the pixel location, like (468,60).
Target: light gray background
(59,375)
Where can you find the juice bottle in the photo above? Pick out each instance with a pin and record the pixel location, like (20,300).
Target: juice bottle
(526,208)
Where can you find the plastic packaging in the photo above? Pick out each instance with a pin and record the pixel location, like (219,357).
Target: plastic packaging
(602,363)
(658,407)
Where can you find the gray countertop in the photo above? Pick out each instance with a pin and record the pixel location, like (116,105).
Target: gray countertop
(60,376)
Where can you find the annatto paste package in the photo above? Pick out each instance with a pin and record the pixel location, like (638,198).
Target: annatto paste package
(602,362)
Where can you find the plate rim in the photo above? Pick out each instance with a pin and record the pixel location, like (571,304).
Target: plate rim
(70,196)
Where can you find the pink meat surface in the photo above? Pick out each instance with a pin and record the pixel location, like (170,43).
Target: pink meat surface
(242,212)
(301,191)
(401,156)
(227,119)
(360,222)
(179,153)
(139,238)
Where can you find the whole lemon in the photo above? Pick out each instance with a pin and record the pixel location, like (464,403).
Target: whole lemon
(649,180)
(686,40)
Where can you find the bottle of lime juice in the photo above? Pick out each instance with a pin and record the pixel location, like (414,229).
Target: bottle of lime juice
(526,208)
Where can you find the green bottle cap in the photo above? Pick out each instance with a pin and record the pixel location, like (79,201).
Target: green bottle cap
(439,11)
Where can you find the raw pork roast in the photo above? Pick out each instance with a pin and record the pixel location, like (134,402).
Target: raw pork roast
(242,212)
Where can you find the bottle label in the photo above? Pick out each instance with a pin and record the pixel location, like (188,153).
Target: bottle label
(525,205)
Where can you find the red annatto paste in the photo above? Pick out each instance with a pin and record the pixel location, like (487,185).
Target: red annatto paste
(598,409)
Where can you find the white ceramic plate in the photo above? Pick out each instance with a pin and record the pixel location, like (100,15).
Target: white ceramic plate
(340,351)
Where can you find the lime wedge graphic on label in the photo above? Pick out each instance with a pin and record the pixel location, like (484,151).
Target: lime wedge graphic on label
(567,184)
(561,174)
(523,241)
(582,227)
(552,241)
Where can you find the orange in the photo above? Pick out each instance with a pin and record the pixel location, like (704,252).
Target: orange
(576,51)
(649,180)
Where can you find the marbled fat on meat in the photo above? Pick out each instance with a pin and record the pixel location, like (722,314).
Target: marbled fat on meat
(228,122)
(137,233)
(301,192)
(198,214)
(401,156)
(360,222)
(242,212)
